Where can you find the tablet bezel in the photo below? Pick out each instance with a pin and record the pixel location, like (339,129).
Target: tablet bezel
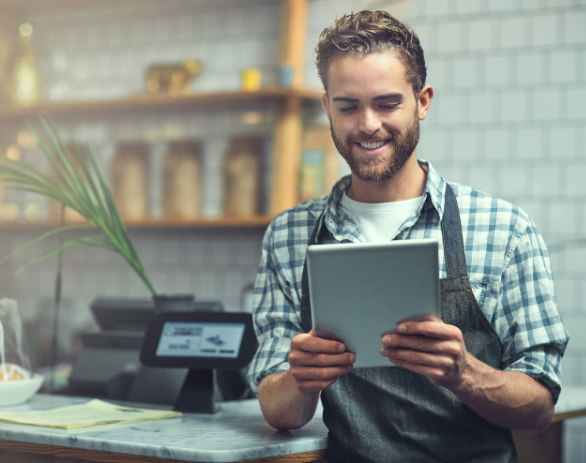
(332,287)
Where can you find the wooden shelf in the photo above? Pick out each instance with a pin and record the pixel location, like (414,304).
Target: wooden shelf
(261,221)
(153,101)
(288,130)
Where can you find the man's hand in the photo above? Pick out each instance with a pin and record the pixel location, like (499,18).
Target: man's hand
(316,363)
(288,399)
(429,347)
(509,399)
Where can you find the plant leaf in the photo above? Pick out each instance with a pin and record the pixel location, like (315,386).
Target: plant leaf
(55,231)
(80,186)
(92,241)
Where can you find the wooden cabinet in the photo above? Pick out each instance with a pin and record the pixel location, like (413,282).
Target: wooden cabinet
(288,125)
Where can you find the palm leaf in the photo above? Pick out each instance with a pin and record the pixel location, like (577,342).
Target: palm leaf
(56,231)
(91,241)
(64,182)
(79,185)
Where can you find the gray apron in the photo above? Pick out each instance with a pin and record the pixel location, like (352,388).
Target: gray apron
(395,415)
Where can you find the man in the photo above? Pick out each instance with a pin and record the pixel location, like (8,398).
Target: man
(490,365)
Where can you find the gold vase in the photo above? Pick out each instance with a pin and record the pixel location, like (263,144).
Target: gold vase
(25,84)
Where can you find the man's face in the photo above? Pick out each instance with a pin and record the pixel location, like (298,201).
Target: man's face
(374,116)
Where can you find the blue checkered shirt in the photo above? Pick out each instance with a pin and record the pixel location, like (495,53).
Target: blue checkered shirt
(507,262)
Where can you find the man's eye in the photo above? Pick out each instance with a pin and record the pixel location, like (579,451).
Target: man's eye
(346,109)
(390,106)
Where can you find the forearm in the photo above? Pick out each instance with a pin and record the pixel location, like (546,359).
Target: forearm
(283,405)
(509,399)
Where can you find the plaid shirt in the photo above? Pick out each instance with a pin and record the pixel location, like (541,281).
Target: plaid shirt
(507,262)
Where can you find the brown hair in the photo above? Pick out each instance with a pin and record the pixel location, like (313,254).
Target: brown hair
(369,32)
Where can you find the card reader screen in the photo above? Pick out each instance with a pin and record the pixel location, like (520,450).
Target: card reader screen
(182,339)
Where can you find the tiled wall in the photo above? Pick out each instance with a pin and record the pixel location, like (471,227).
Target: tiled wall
(509,118)
(95,52)
(102,52)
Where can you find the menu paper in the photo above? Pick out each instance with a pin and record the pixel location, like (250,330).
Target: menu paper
(92,413)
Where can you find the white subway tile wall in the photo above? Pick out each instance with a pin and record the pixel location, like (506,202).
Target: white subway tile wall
(100,52)
(509,118)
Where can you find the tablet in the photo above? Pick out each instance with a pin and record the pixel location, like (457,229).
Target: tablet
(360,291)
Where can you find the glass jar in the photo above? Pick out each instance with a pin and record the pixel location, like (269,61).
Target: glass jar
(14,351)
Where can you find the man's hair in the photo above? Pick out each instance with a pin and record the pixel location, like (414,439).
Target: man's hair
(370,32)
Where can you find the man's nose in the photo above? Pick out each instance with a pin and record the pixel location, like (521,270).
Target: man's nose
(369,122)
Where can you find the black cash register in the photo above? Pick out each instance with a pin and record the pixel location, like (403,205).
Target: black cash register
(108,363)
(203,342)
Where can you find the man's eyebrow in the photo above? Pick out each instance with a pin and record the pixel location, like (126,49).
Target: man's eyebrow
(343,98)
(386,96)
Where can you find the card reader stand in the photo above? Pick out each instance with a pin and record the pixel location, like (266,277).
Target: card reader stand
(151,385)
(169,343)
(198,394)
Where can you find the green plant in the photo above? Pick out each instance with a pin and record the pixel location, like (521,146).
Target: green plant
(80,186)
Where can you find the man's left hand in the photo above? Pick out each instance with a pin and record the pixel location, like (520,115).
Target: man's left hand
(429,347)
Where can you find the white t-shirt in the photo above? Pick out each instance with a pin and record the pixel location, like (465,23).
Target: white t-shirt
(379,221)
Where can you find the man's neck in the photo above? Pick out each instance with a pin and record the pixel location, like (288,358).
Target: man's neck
(408,183)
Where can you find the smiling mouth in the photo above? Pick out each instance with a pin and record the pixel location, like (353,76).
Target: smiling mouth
(373,145)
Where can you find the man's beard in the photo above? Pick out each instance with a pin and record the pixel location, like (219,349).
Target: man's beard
(385,167)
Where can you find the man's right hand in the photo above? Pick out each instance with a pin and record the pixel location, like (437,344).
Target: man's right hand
(316,363)
(288,399)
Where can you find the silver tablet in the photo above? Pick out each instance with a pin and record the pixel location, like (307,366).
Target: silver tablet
(360,291)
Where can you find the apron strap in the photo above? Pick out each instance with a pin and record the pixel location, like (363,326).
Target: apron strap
(452,236)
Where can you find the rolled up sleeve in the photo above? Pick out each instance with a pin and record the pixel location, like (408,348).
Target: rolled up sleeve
(536,338)
(276,321)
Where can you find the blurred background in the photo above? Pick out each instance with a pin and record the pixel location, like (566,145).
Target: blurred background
(218,101)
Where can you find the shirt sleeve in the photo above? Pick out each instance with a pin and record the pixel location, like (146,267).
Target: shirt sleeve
(275,319)
(536,338)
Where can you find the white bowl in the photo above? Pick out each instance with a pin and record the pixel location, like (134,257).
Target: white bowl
(20,390)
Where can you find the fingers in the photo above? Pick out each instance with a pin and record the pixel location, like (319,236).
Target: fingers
(431,348)
(421,358)
(316,363)
(301,358)
(307,350)
(431,329)
(311,343)
(422,343)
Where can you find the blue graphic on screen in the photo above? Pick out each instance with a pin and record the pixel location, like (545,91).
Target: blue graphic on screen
(182,339)
(215,340)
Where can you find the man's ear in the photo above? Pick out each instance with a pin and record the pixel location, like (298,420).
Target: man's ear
(424,100)
(325,102)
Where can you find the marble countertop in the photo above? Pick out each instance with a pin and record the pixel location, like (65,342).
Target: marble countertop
(237,432)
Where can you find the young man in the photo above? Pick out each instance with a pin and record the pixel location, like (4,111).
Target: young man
(490,365)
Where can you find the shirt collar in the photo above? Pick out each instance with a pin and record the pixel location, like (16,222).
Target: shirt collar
(435,188)
(433,197)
